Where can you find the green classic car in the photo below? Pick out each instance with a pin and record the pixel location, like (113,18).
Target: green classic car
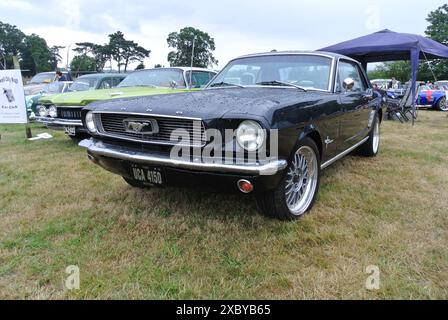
(63,111)
(32,101)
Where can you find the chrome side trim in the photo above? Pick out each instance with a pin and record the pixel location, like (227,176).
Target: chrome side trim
(343,154)
(99,148)
(69,107)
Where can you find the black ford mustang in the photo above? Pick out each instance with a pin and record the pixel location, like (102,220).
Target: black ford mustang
(267,124)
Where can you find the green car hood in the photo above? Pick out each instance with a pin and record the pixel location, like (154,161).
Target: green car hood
(83,98)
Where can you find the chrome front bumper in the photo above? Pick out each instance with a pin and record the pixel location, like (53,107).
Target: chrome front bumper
(59,122)
(98,148)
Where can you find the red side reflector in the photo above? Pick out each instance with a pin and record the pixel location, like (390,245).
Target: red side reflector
(245,186)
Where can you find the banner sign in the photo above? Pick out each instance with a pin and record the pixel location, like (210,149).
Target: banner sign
(12,97)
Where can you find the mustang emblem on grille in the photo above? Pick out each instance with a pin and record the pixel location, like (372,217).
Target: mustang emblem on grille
(137,126)
(141,126)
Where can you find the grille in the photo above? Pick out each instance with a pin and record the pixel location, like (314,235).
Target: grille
(69,113)
(113,125)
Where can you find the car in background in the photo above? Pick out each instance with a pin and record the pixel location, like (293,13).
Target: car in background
(432,98)
(40,80)
(266,125)
(63,112)
(97,81)
(48,90)
(393,93)
(441,83)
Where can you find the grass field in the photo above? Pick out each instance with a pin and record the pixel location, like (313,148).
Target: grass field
(57,209)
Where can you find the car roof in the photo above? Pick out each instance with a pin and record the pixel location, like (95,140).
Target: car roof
(51,72)
(283,53)
(56,82)
(103,75)
(178,68)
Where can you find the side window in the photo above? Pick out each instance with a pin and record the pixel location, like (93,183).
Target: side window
(200,79)
(350,70)
(106,84)
(115,82)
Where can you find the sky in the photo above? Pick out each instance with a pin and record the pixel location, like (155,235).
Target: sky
(238,26)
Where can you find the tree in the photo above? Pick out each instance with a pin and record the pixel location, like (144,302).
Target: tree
(438,31)
(55,56)
(182,42)
(36,55)
(101,53)
(83,63)
(141,66)
(400,70)
(125,51)
(11,44)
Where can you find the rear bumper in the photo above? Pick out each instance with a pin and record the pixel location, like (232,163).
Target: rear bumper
(179,173)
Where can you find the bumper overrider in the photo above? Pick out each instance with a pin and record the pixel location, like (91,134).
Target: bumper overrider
(181,173)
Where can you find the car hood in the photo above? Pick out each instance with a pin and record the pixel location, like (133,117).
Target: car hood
(216,103)
(83,98)
(33,89)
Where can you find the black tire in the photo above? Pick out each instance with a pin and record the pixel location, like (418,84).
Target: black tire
(135,184)
(441,105)
(371,147)
(274,204)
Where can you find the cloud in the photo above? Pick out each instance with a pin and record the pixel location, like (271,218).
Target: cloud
(16,5)
(238,27)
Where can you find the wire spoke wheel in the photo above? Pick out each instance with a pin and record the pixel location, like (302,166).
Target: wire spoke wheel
(376,137)
(301,180)
(443,105)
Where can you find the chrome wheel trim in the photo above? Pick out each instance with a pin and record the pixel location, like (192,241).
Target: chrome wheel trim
(444,105)
(301,181)
(376,137)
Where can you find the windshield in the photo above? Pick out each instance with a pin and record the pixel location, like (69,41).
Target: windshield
(307,71)
(84,84)
(52,88)
(42,78)
(155,78)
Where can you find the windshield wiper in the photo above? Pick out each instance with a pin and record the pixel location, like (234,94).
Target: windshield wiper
(225,84)
(282,83)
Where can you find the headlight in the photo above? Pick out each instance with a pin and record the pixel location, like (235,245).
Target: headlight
(43,111)
(53,112)
(250,136)
(90,122)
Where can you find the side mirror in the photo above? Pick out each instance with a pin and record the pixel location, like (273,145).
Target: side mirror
(348,84)
(173,84)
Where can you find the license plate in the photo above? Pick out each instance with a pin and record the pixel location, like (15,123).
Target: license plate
(71,131)
(147,175)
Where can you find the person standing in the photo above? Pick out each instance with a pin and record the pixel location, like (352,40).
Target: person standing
(60,76)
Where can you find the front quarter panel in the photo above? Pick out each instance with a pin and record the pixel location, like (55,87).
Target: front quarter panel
(320,117)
